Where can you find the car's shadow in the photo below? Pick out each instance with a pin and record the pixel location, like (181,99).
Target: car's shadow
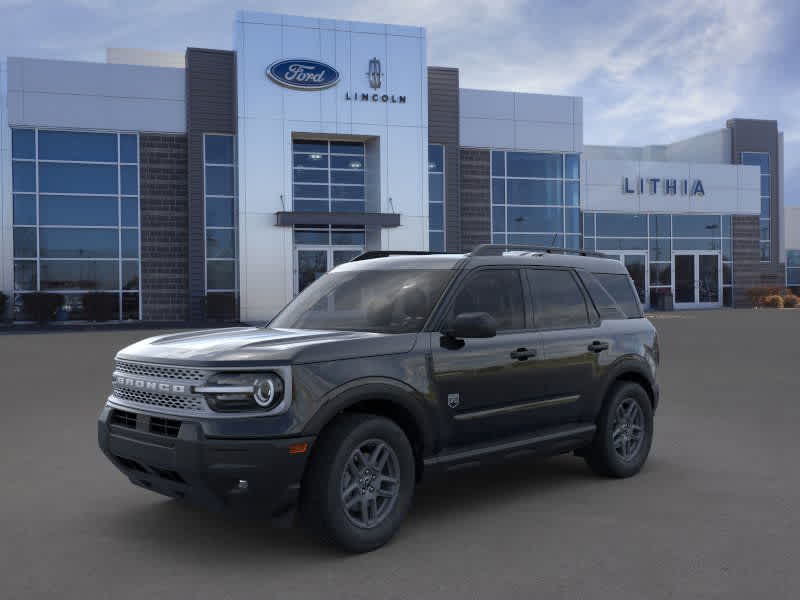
(440,499)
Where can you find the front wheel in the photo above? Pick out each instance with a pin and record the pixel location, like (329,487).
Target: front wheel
(360,482)
(624,432)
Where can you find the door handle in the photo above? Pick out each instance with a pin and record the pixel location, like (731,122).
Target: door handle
(523,354)
(598,346)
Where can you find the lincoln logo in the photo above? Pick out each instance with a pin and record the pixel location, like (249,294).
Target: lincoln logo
(151,386)
(374,74)
(301,74)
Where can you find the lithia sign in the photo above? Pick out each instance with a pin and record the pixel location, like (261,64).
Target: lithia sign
(667,186)
(306,74)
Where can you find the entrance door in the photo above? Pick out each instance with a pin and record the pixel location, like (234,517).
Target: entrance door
(697,279)
(636,263)
(311,263)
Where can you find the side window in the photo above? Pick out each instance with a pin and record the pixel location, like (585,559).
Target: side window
(497,292)
(558,301)
(606,305)
(621,289)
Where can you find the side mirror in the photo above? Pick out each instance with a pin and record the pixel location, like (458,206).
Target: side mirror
(472,325)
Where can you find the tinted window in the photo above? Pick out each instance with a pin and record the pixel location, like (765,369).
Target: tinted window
(623,225)
(497,292)
(22,143)
(529,164)
(605,304)
(74,145)
(696,225)
(128,151)
(621,289)
(558,302)
(66,178)
(534,191)
(77,210)
(219,149)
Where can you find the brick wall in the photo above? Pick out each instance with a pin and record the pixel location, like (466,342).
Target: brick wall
(476,216)
(748,271)
(165,231)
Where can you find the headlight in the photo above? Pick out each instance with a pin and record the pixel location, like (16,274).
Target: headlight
(238,392)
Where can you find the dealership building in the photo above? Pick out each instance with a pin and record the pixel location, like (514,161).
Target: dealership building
(218,184)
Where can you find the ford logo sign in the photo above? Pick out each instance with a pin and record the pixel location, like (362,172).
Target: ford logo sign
(302,74)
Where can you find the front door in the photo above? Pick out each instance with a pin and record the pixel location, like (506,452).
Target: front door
(311,263)
(697,279)
(636,263)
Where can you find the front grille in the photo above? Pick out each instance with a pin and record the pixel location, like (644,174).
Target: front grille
(161,426)
(160,372)
(123,418)
(169,401)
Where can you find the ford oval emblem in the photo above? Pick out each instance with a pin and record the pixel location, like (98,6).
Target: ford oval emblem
(303,74)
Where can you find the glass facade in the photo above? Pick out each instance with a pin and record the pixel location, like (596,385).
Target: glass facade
(657,237)
(536,198)
(219,159)
(76,219)
(793,269)
(761,160)
(328,176)
(436,198)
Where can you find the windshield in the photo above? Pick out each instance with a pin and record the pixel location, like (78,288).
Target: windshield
(391,301)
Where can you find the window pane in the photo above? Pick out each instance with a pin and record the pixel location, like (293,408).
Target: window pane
(23,144)
(727,297)
(128,149)
(695,244)
(347,192)
(348,238)
(435,158)
(77,179)
(793,258)
(311,175)
(130,243)
(661,274)
(660,226)
(220,243)
(727,273)
(25,242)
(521,191)
(78,243)
(130,307)
(498,191)
(25,275)
(605,304)
(621,244)
(219,149)
(130,274)
(498,218)
(24,209)
(219,181)
(793,277)
(572,189)
(344,162)
(498,163)
(497,292)
(555,240)
(130,212)
(573,166)
(765,251)
(311,237)
(727,226)
(529,164)
(660,249)
(79,275)
(311,205)
(498,238)
(588,224)
(318,161)
(765,208)
(588,244)
(763,229)
(348,206)
(77,210)
(74,145)
(436,241)
(526,219)
(129,180)
(765,185)
(310,146)
(436,216)
(353,177)
(436,187)
(572,242)
(221,274)
(347,148)
(696,225)
(572,220)
(624,225)
(219,212)
(310,191)
(759,159)
(23,176)
(621,289)
(558,302)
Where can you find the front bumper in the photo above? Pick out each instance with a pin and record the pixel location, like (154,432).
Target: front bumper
(172,456)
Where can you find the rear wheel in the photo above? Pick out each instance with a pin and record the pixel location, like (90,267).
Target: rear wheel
(624,432)
(360,482)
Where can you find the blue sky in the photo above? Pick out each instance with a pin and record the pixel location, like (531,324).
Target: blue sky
(649,72)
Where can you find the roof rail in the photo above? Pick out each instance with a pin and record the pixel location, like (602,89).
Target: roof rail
(370,254)
(498,249)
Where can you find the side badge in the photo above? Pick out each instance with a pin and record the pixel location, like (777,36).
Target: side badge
(453,400)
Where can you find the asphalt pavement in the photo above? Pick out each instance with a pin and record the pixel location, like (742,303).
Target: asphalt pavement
(714,514)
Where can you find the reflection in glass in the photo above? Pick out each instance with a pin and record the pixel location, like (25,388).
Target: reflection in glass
(66,178)
(77,210)
(220,274)
(80,275)
(25,242)
(25,275)
(219,149)
(220,243)
(57,242)
(24,209)
(77,146)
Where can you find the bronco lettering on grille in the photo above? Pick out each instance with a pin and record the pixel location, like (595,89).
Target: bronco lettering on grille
(154,386)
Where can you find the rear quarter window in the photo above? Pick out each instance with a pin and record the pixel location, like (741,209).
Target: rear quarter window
(620,287)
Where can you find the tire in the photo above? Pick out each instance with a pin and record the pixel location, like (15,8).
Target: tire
(343,458)
(627,404)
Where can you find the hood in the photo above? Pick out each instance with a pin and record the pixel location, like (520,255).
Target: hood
(258,345)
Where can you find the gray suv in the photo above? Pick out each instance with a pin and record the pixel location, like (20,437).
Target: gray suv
(387,369)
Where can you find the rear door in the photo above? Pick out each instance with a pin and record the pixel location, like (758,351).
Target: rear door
(570,342)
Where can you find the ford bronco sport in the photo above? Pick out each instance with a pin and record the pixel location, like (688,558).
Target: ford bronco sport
(387,368)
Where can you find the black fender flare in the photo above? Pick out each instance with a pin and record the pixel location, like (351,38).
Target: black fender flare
(381,389)
(625,365)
